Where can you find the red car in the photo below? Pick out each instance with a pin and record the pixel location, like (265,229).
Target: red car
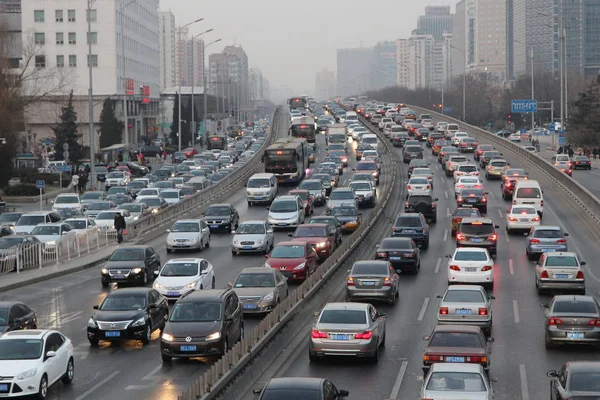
(480,149)
(307,200)
(190,152)
(318,236)
(296,260)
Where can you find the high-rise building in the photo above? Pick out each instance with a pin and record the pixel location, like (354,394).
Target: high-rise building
(259,85)
(238,70)
(458,51)
(190,59)
(592,36)
(229,77)
(385,64)
(436,21)
(168,51)
(325,84)
(447,59)
(402,62)
(355,70)
(420,60)
(10,20)
(486,38)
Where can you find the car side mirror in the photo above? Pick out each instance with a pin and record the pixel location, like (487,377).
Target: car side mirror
(490,339)
(497,226)
(256,392)
(552,373)
(382,315)
(439,296)
(565,234)
(267,207)
(96,307)
(544,305)
(50,354)
(583,263)
(492,297)
(426,337)
(168,231)
(436,199)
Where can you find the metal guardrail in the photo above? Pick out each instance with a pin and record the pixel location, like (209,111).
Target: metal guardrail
(224,370)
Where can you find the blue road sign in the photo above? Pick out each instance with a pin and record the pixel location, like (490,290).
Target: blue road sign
(562,137)
(64,168)
(523,106)
(40,184)
(552,127)
(447,109)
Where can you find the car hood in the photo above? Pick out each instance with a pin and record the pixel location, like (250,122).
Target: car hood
(105,222)
(66,206)
(176,281)
(283,215)
(285,262)
(216,217)
(363,192)
(254,291)
(48,238)
(331,203)
(258,190)
(15,367)
(182,235)
(248,237)
(311,240)
(346,218)
(123,264)
(129,315)
(194,329)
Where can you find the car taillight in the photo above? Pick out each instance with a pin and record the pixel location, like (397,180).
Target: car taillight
(318,335)
(459,199)
(536,218)
(544,275)
(393,229)
(406,204)
(579,275)
(460,236)
(364,335)
(444,310)
(493,237)
(381,254)
(456,220)
(594,322)
(427,357)
(555,321)
(387,282)
(560,241)
(508,184)
(484,199)
(408,187)
(430,177)
(542,203)
(458,173)
(512,219)
(350,282)
(454,267)
(477,359)
(534,241)
(408,255)
(483,311)
(486,268)
(428,187)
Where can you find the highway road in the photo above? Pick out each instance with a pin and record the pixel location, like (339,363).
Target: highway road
(129,370)
(519,361)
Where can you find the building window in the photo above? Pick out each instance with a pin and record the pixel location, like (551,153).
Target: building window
(72,61)
(71,15)
(92,37)
(60,61)
(93,60)
(92,15)
(60,38)
(72,38)
(40,38)
(38,15)
(58,15)
(40,61)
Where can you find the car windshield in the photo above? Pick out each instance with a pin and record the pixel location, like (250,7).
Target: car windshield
(106,215)
(218,210)
(164,185)
(412,222)
(498,164)
(579,382)
(124,302)
(196,312)
(134,208)
(362,177)
(46,230)
(396,244)
(489,154)
(9,217)
(117,190)
(455,339)
(284,206)
(468,180)
(344,212)
(476,228)
(186,227)
(148,192)
(561,261)
(548,234)
(456,381)
(91,196)
(259,183)
(8,242)
(116,174)
(151,202)
(77,223)
(470,256)
(467,168)
(307,231)
(180,269)
(464,296)
(137,184)
(28,220)
(341,195)
(574,306)
(528,193)
(127,255)
(294,251)
(343,317)
(251,229)
(523,210)
(255,280)
(360,186)
(21,349)
(101,205)
(366,166)
(373,268)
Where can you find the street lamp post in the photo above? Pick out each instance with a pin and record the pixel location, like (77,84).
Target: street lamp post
(464,83)
(204,92)
(532,93)
(125,117)
(193,124)
(91,98)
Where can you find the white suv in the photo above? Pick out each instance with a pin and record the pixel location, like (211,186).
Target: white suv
(286,212)
(66,201)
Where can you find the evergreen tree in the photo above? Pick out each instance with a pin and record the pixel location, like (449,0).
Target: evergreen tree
(174,125)
(111,129)
(66,132)
(585,118)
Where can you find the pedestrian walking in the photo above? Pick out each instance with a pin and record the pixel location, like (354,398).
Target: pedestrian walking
(120,226)
(560,150)
(595,152)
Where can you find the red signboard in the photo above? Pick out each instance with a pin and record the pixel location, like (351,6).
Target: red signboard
(130,86)
(146,91)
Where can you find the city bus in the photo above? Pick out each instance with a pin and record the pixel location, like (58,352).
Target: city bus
(287,159)
(298,103)
(216,142)
(304,127)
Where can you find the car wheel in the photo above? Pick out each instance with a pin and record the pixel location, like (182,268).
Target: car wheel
(508,231)
(166,359)
(249,204)
(169,250)
(147,336)
(313,357)
(145,278)
(67,378)
(426,245)
(43,390)
(207,245)
(375,358)
(382,344)
(225,345)
(548,344)
(540,291)
(105,284)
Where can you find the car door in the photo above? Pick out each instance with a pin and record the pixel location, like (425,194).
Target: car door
(204,232)
(70,236)
(206,274)
(236,314)
(376,323)
(52,365)
(270,236)
(282,287)
(153,260)
(559,384)
(311,258)
(156,312)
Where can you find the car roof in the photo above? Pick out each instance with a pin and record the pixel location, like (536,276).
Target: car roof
(59,223)
(295,383)
(471,249)
(7,304)
(184,260)
(256,270)
(547,228)
(312,225)
(206,294)
(347,305)
(408,215)
(220,205)
(456,367)
(197,221)
(457,327)
(342,189)
(285,197)
(131,290)
(133,246)
(27,334)
(474,288)
(561,254)
(291,243)
(253,222)
(571,297)
(584,366)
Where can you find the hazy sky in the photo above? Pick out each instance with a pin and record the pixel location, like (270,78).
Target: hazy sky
(291,40)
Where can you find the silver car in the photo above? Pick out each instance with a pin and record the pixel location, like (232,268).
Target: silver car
(58,237)
(559,270)
(188,234)
(572,320)
(93,209)
(372,280)
(260,289)
(457,381)
(466,304)
(545,238)
(347,329)
(315,188)
(252,237)
(342,196)
(365,191)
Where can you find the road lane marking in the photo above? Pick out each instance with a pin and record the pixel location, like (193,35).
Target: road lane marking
(437,266)
(501,213)
(423,309)
(511,268)
(98,385)
(438,168)
(506,237)
(516,311)
(442,178)
(446,193)
(448,212)
(492,195)
(445,234)
(524,387)
(399,378)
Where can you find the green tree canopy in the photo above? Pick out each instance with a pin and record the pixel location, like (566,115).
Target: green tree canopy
(66,132)
(111,129)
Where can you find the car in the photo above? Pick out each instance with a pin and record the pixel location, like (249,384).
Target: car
(559,270)
(29,220)
(457,344)
(480,149)
(105,220)
(67,201)
(296,260)
(147,192)
(487,156)
(424,203)
(422,172)
(334,225)
(471,265)
(478,232)
(348,216)
(260,289)
(453,162)
(252,237)
(84,228)
(432,138)
(572,319)
(422,134)
(521,218)
(315,189)
(399,138)
(117,178)
(574,379)
(313,388)
(58,238)
(418,185)
(466,169)
(319,236)
(463,211)
(411,152)
(128,314)
(367,166)
(153,204)
(509,180)
(327,185)
(119,199)
(457,381)
(333,163)
(137,210)
(566,170)
(581,162)
(467,182)
(437,146)
(515,137)
(135,186)
(171,196)
(360,149)
(307,198)
(545,238)
(180,276)
(417,164)
(341,196)
(466,305)
(91,197)
(348,329)
(286,212)
(332,173)
(212,319)
(130,264)
(372,280)
(33,360)
(495,168)
(474,197)
(445,153)
(16,316)
(93,209)
(467,145)
(365,192)
(188,234)
(402,253)
(221,217)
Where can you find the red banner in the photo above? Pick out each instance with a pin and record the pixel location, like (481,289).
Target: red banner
(130,86)
(146,91)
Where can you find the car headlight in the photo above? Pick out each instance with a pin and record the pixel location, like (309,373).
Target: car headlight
(268,297)
(139,322)
(260,241)
(367,195)
(236,242)
(51,243)
(157,285)
(321,245)
(375,173)
(213,336)
(191,285)
(136,218)
(27,374)
(136,270)
(154,210)
(301,266)
(167,338)
(104,271)
(92,323)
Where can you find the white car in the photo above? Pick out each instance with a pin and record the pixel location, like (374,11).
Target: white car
(440,127)
(183,275)
(147,192)
(188,234)
(178,182)
(252,237)
(66,201)
(521,217)
(117,178)
(106,219)
(515,137)
(427,123)
(465,381)
(33,360)
(467,182)
(172,196)
(471,265)
(370,153)
(465,170)
(85,228)
(419,184)
(423,172)
(457,137)
(286,211)
(58,237)
(531,149)
(384,121)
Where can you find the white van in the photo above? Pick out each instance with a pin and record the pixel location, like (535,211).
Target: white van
(338,138)
(261,188)
(351,116)
(529,192)
(451,129)
(371,140)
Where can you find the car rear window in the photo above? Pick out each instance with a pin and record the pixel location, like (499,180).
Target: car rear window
(376,268)
(296,394)
(467,212)
(498,164)
(464,296)
(528,193)
(467,168)
(548,234)
(343,317)
(561,261)
(455,339)
(470,256)
(476,229)
(396,243)
(414,222)
(413,149)
(574,306)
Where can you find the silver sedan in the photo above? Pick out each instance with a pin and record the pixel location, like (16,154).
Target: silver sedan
(457,381)
(559,270)
(260,289)
(466,304)
(252,237)
(572,320)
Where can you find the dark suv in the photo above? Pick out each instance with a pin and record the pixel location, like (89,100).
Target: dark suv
(411,153)
(414,226)
(478,232)
(424,204)
(202,323)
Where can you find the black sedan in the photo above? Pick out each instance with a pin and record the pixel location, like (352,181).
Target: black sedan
(473,197)
(300,388)
(402,253)
(581,162)
(128,314)
(417,164)
(130,264)
(223,217)
(575,380)
(15,316)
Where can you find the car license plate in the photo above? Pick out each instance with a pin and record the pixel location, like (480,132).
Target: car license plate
(281,224)
(575,335)
(476,240)
(112,333)
(523,220)
(368,283)
(470,269)
(187,348)
(173,293)
(214,226)
(547,250)
(247,247)
(340,337)
(118,276)
(408,231)
(561,276)
(463,312)
(180,245)
(4,387)
(455,359)
(395,258)
(260,198)
(471,200)
(250,306)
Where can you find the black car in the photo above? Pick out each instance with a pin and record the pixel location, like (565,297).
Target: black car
(131,264)
(5,230)
(202,323)
(575,380)
(417,164)
(414,226)
(478,232)
(335,226)
(300,388)
(101,171)
(222,217)
(581,162)
(137,169)
(128,314)
(402,253)
(411,153)
(16,316)
(136,186)
(179,157)
(473,197)
(399,138)
(424,204)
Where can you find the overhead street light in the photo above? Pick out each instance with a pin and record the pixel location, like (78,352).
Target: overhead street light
(464,106)
(204,84)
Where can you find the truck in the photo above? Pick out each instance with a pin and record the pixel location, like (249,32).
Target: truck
(336,128)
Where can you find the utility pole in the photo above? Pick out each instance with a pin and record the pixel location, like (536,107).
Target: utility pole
(125,116)
(194,130)
(532,94)
(204,91)
(91,98)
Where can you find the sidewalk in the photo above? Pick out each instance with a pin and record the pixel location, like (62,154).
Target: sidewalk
(547,150)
